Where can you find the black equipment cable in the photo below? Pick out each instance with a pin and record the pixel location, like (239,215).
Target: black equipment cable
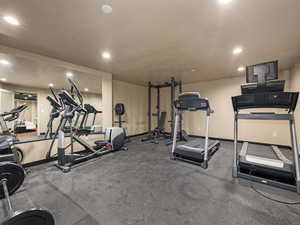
(268,197)
(272,199)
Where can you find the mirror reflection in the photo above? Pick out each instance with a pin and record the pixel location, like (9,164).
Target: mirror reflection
(26,83)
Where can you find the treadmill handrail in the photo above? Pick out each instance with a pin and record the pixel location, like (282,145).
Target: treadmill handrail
(264,116)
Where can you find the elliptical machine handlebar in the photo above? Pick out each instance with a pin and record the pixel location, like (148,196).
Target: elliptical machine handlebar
(75,90)
(55,104)
(14,113)
(67,99)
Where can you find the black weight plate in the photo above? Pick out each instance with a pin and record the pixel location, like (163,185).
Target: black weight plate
(30,217)
(19,153)
(14,174)
(120,109)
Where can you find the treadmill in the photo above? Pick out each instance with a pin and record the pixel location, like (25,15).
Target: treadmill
(265,91)
(195,151)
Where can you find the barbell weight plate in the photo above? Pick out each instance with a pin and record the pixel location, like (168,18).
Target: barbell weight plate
(20,153)
(30,217)
(14,175)
(120,109)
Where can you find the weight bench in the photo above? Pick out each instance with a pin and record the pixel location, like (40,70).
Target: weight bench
(159,131)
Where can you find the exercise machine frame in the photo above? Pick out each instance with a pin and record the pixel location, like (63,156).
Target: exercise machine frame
(191,101)
(265,91)
(172,84)
(267,116)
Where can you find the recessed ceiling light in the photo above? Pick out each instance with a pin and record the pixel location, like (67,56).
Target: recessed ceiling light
(193,70)
(50,85)
(223,2)
(106,55)
(69,74)
(11,20)
(3,79)
(237,50)
(241,69)
(4,62)
(107,9)
(86,89)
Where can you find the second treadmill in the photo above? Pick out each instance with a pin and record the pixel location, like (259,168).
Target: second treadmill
(194,151)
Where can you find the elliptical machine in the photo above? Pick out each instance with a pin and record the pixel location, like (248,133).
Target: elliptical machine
(73,103)
(6,138)
(55,112)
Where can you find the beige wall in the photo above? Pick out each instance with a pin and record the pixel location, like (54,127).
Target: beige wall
(219,93)
(107,102)
(134,97)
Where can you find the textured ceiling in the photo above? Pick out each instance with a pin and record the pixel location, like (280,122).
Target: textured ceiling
(153,40)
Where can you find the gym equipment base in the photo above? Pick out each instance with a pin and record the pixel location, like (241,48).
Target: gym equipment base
(195,157)
(267,176)
(30,217)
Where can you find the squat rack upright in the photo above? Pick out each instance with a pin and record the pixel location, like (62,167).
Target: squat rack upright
(172,84)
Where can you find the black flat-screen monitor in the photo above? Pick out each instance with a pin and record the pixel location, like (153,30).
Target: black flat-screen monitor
(260,73)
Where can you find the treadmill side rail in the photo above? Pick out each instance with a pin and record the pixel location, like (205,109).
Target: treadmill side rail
(264,161)
(280,155)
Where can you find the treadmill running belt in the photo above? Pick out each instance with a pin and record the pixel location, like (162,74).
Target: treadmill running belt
(195,145)
(194,150)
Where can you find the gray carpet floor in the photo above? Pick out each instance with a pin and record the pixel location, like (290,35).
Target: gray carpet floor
(144,187)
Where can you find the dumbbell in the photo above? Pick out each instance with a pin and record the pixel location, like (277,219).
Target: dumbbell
(11,178)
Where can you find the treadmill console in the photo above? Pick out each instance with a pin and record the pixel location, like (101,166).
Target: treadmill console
(191,101)
(264,90)
(270,86)
(284,100)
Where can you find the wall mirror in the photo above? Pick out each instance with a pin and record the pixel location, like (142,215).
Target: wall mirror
(26,81)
